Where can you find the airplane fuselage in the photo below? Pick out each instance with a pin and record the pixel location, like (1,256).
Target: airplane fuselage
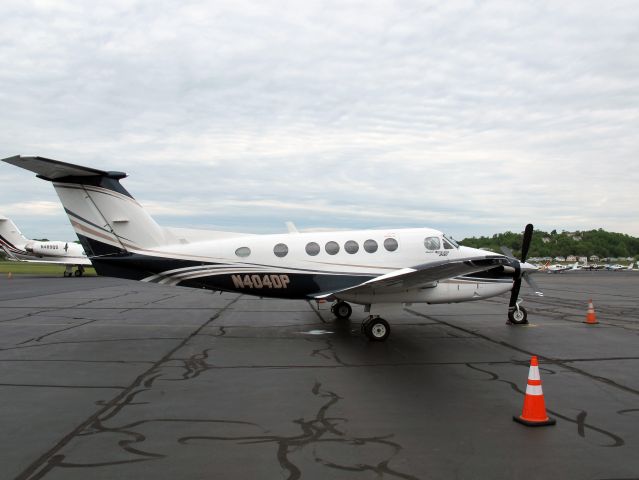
(49,251)
(304,265)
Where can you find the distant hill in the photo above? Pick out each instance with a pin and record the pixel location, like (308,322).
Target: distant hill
(552,244)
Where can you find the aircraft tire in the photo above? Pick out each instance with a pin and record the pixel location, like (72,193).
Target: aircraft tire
(518,317)
(342,310)
(78,273)
(377,329)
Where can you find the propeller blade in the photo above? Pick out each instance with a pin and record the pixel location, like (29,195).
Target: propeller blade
(514,294)
(533,284)
(525,244)
(507,251)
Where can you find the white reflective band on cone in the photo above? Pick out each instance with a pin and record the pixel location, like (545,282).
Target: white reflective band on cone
(534,373)
(533,390)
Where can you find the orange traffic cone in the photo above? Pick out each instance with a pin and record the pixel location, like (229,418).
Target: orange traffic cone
(534,411)
(591,318)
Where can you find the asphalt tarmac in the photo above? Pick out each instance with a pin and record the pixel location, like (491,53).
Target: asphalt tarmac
(103,378)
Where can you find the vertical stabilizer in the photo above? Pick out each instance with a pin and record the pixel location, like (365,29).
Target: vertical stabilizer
(11,239)
(106,218)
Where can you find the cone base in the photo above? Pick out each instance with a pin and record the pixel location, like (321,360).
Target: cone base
(534,423)
(587,322)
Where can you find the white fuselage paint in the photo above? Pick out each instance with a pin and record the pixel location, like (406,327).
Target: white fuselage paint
(410,252)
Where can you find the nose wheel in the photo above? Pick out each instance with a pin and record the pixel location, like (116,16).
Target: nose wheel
(376,329)
(518,315)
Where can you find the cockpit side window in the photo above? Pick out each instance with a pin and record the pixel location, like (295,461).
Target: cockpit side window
(431,243)
(451,241)
(447,245)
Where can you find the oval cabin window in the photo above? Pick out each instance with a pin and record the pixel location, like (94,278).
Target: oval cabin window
(312,248)
(390,244)
(243,252)
(332,248)
(351,246)
(280,250)
(370,246)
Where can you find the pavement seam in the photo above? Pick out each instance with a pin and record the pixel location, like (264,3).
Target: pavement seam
(35,470)
(554,361)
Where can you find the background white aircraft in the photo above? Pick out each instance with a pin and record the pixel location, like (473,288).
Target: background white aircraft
(558,268)
(617,267)
(19,248)
(375,268)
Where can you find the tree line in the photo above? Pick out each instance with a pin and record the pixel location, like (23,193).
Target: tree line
(552,244)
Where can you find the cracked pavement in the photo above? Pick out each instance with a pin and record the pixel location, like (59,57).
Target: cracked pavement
(106,378)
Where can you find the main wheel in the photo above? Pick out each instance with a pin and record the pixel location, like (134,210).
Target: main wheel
(377,329)
(342,310)
(78,273)
(518,317)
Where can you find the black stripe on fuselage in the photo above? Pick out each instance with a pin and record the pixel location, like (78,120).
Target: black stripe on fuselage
(263,283)
(279,283)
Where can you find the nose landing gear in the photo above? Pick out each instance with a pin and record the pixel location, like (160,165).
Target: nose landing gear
(517,315)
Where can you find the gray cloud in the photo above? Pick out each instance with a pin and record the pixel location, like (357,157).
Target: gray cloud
(472,117)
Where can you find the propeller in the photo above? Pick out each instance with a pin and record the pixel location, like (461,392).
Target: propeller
(517,265)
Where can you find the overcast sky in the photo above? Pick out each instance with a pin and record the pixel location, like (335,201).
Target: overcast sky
(473,117)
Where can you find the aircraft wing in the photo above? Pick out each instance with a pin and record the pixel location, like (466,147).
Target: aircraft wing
(422,275)
(69,261)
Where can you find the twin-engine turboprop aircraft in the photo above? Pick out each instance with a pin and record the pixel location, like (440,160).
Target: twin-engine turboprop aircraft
(374,268)
(19,248)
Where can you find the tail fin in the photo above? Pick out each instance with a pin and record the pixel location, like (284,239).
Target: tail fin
(11,239)
(106,218)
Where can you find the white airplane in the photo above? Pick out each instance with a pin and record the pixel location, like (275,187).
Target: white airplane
(380,269)
(19,248)
(617,267)
(558,268)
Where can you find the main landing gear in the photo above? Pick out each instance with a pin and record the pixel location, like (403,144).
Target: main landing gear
(68,271)
(341,310)
(375,328)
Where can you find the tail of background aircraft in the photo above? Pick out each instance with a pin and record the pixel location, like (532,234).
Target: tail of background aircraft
(11,239)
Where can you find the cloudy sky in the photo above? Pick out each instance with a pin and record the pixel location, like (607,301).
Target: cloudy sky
(473,117)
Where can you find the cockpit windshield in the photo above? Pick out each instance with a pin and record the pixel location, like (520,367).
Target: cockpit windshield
(451,240)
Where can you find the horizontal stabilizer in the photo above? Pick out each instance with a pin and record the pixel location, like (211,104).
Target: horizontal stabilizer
(54,170)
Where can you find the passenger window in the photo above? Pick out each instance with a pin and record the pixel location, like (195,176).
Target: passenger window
(390,244)
(447,245)
(370,246)
(351,246)
(280,250)
(312,249)
(431,243)
(243,252)
(332,248)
